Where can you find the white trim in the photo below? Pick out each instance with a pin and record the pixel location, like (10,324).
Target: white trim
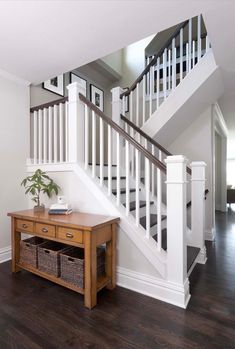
(210,234)
(60,167)
(4,74)
(5,254)
(154,287)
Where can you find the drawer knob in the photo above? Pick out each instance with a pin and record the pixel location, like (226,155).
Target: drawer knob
(69,235)
(24,226)
(44,230)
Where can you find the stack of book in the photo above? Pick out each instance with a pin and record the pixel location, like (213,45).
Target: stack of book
(60,209)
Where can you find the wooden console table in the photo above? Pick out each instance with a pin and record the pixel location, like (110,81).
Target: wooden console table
(77,229)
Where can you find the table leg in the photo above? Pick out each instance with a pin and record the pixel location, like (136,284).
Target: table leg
(111,258)
(15,245)
(90,270)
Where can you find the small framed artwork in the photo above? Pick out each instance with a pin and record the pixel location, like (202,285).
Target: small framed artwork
(97,97)
(55,85)
(75,78)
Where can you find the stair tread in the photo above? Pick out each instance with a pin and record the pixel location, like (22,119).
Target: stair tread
(153,220)
(192,252)
(142,204)
(123,191)
(90,164)
(114,178)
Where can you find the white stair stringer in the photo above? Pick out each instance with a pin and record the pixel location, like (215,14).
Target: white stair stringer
(148,247)
(200,88)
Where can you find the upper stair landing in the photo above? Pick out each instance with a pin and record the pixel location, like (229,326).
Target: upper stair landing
(201,87)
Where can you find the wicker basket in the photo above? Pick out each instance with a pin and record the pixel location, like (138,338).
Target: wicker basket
(49,257)
(72,265)
(29,251)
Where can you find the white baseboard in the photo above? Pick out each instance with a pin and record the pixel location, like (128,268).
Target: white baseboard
(5,254)
(154,287)
(210,234)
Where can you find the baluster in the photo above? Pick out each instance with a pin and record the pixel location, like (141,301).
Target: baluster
(148,76)
(137,105)
(187,58)
(137,186)
(181,53)
(118,169)
(50,133)
(124,101)
(159,205)
(44,135)
(66,131)
(40,136)
(55,116)
(101,152)
(169,70)
(144,96)
(158,81)
(93,144)
(131,134)
(173,65)
(127,178)
(199,43)
(86,131)
(109,160)
(193,53)
(164,73)
(61,128)
(151,91)
(35,137)
(153,168)
(190,42)
(147,188)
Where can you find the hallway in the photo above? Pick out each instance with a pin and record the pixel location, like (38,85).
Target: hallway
(31,317)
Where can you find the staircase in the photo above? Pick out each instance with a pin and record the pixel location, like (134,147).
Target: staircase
(134,176)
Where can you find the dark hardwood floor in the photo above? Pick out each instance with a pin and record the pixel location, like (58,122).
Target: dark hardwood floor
(37,314)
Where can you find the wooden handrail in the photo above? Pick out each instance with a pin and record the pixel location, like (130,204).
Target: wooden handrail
(142,133)
(124,134)
(49,104)
(154,60)
(150,140)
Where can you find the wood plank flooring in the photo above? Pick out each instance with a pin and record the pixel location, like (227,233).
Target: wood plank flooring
(35,313)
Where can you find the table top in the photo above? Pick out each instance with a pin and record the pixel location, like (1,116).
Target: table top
(78,220)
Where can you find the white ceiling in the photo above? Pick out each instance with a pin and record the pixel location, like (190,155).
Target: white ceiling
(41,39)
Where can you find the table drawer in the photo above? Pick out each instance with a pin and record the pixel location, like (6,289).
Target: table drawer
(70,234)
(24,226)
(45,230)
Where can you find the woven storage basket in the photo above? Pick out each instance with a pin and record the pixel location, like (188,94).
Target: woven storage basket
(72,265)
(49,257)
(29,251)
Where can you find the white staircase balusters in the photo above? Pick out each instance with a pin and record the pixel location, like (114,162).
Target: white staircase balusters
(137,105)
(137,187)
(199,42)
(159,205)
(173,72)
(118,168)
(50,134)
(109,160)
(61,131)
(158,82)
(40,136)
(147,190)
(35,137)
(127,151)
(65,133)
(55,124)
(86,130)
(101,152)
(193,55)
(190,43)
(169,70)
(144,100)
(45,135)
(164,74)
(181,53)
(93,141)
(153,171)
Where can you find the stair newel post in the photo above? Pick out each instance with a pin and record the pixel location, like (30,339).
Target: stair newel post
(198,181)
(117,110)
(176,226)
(76,123)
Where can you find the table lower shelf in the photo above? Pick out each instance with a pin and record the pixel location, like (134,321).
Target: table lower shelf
(102,281)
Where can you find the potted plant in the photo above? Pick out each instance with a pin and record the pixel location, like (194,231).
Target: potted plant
(39,183)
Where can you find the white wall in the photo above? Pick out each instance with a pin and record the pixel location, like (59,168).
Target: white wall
(14,136)
(81,199)
(227,106)
(217,171)
(196,143)
(114,61)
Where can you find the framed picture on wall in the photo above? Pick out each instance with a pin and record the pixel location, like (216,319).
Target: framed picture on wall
(55,85)
(75,78)
(97,97)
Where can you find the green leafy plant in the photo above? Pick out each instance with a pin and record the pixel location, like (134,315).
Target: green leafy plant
(39,183)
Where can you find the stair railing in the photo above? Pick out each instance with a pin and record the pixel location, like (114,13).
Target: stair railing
(165,70)
(48,132)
